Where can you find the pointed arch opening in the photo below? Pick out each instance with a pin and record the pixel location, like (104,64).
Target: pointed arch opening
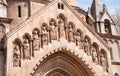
(107,27)
(117,47)
(62,63)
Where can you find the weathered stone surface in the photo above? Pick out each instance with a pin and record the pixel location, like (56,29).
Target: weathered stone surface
(51,37)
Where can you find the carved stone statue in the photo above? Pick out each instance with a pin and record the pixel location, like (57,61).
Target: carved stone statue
(44,35)
(26,48)
(53,30)
(16,56)
(103,62)
(61,28)
(94,56)
(87,47)
(36,41)
(70,34)
(79,40)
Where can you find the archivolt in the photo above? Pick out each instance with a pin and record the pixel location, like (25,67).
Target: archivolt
(64,60)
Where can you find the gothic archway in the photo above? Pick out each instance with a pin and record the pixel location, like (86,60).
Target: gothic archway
(62,63)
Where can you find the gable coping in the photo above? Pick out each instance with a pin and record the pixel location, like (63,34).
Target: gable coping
(22,24)
(108,15)
(87,26)
(29,19)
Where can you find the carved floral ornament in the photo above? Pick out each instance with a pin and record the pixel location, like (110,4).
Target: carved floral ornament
(55,30)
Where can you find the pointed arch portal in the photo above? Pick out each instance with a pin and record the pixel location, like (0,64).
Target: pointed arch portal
(62,63)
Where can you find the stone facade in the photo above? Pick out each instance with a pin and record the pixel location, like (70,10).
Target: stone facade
(55,38)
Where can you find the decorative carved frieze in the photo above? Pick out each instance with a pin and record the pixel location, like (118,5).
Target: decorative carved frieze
(55,31)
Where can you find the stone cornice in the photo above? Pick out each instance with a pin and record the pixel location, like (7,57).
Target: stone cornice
(115,62)
(110,36)
(80,10)
(104,22)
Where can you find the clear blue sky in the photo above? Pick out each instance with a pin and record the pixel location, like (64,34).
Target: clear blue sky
(110,4)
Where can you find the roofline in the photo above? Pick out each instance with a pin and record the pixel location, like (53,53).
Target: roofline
(22,24)
(87,26)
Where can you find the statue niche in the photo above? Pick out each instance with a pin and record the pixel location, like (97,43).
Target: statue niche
(16,56)
(53,29)
(79,41)
(87,46)
(71,33)
(103,62)
(61,28)
(94,55)
(26,49)
(44,35)
(36,40)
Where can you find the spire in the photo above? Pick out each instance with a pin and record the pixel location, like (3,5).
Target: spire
(104,8)
(96,9)
(88,9)
(96,0)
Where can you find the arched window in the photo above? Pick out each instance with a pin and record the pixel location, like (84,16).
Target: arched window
(19,11)
(62,6)
(116,50)
(107,26)
(110,42)
(58,5)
